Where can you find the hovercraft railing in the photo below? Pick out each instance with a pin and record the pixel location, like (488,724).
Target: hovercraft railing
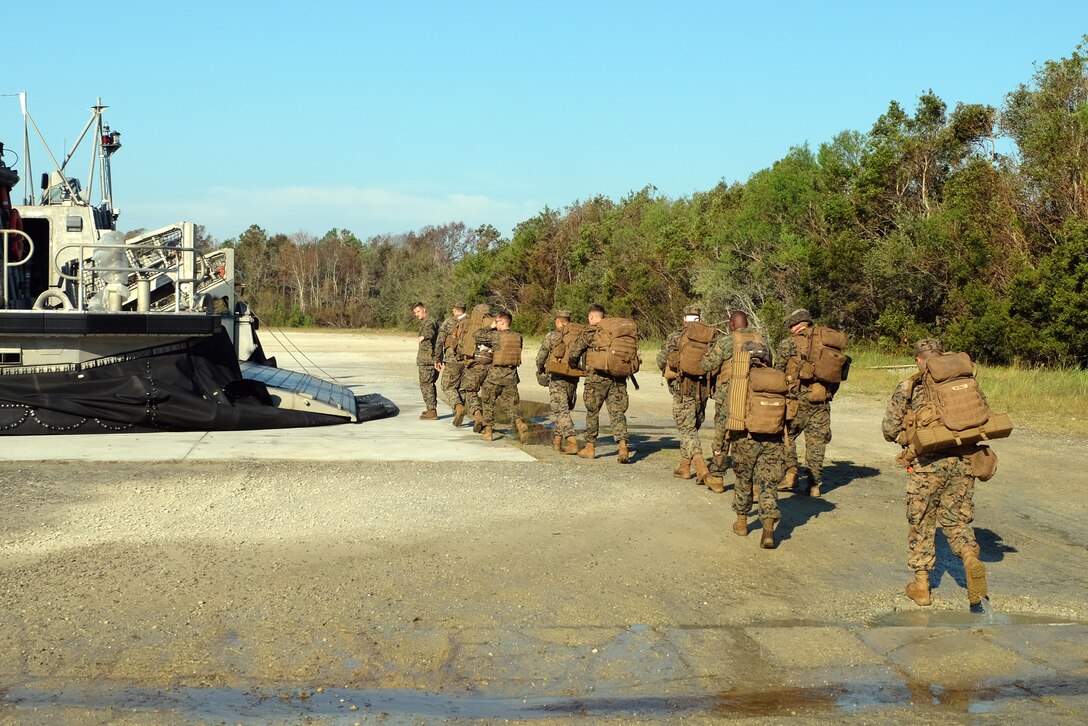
(5,239)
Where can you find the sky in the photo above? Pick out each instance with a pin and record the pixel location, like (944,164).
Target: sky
(382,118)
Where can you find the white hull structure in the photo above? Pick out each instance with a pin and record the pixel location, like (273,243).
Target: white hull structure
(101,333)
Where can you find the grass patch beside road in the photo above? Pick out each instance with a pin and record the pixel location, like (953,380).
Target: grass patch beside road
(1048,400)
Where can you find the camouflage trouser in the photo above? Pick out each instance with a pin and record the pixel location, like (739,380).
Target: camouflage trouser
(760,464)
(503,395)
(451,382)
(471,380)
(941,494)
(562,393)
(689,411)
(814,421)
(598,391)
(427,376)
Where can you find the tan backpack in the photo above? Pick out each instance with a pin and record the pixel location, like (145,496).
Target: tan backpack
(455,334)
(508,352)
(557,359)
(614,349)
(821,355)
(466,328)
(757,394)
(735,370)
(766,408)
(956,413)
(695,340)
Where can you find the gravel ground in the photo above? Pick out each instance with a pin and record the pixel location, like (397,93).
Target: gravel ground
(557,579)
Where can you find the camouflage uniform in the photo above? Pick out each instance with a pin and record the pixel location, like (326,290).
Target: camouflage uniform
(500,384)
(720,353)
(600,389)
(452,365)
(759,462)
(812,419)
(472,378)
(689,398)
(940,491)
(562,390)
(425,358)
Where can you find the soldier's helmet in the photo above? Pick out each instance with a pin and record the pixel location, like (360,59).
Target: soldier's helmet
(758,351)
(800,315)
(564,314)
(693,312)
(927,345)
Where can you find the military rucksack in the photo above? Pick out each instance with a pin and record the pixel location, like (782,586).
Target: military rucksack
(455,333)
(468,325)
(557,359)
(614,349)
(695,340)
(766,407)
(956,414)
(757,394)
(508,352)
(821,355)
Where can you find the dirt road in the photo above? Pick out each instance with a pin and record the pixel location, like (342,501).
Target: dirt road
(561,589)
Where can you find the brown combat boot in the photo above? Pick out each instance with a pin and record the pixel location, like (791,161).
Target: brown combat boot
(918,591)
(623,456)
(458,414)
(718,462)
(557,442)
(766,539)
(572,446)
(477,421)
(740,527)
(786,485)
(976,578)
(589,451)
(814,490)
(684,470)
(429,415)
(523,430)
(489,434)
(703,476)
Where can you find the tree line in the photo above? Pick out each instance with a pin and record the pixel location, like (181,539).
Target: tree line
(969,223)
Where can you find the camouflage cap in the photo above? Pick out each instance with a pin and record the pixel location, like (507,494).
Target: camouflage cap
(693,310)
(459,306)
(565,314)
(800,315)
(927,345)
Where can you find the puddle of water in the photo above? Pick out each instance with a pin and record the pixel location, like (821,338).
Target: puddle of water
(259,706)
(984,616)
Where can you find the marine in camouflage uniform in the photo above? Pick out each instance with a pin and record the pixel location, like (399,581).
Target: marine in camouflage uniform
(562,390)
(450,363)
(500,385)
(940,492)
(759,460)
(689,398)
(425,360)
(813,419)
(715,360)
(600,389)
(472,378)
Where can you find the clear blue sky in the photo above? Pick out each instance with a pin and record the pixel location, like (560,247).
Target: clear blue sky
(385,117)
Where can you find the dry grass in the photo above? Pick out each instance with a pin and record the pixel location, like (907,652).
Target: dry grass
(1047,400)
